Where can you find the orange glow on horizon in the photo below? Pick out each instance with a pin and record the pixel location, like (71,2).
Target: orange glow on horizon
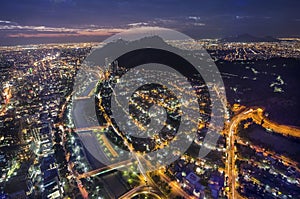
(100,32)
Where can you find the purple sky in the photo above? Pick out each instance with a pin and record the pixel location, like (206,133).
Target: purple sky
(43,21)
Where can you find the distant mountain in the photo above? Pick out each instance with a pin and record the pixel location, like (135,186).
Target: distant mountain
(249,38)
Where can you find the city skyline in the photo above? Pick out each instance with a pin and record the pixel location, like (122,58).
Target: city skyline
(149,99)
(75,155)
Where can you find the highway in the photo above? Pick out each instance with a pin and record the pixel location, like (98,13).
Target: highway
(277,128)
(231,131)
(176,188)
(142,189)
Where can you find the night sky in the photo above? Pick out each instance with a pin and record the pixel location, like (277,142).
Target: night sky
(43,21)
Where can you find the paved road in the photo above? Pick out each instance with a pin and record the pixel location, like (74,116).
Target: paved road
(256,114)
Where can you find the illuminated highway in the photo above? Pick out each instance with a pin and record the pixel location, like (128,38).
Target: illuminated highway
(231,130)
(142,189)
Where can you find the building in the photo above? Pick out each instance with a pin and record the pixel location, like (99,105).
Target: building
(192,185)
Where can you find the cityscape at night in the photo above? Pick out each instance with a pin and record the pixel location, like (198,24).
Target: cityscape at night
(90,109)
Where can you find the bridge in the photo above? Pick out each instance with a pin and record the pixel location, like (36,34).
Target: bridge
(105,169)
(82,98)
(142,189)
(90,128)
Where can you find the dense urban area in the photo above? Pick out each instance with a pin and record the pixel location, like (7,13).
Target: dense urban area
(44,155)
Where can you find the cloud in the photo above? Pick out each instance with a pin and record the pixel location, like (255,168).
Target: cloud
(38,35)
(243,17)
(194,18)
(45,31)
(5,22)
(96,32)
(199,24)
(138,24)
(36,28)
(164,21)
(14,30)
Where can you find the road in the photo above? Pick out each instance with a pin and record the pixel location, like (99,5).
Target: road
(231,130)
(8,95)
(277,128)
(142,189)
(105,169)
(90,128)
(74,173)
(109,146)
(176,188)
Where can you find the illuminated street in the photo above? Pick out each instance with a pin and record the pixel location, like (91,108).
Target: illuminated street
(231,133)
(61,140)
